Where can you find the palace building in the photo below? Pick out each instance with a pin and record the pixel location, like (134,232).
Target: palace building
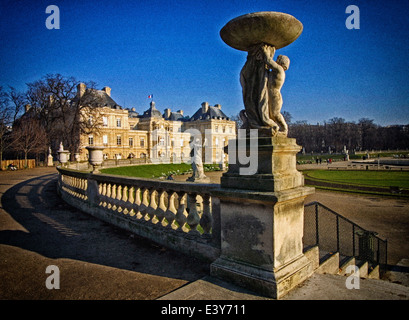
(157,136)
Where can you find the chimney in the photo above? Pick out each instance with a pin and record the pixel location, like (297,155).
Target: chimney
(27,107)
(218,106)
(167,113)
(205,107)
(81,89)
(180,111)
(107,90)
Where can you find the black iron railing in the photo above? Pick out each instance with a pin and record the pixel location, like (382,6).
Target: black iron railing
(334,233)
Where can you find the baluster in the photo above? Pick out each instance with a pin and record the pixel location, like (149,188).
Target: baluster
(131,200)
(181,213)
(104,193)
(145,202)
(206,220)
(137,202)
(170,213)
(100,193)
(113,197)
(160,211)
(152,208)
(118,198)
(124,200)
(193,218)
(108,196)
(83,188)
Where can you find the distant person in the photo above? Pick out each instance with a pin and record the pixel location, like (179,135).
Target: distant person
(12,167)
(170,177)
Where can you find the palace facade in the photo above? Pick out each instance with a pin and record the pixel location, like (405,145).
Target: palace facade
(158,136)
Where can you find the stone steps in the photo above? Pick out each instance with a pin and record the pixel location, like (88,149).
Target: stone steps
(333,263)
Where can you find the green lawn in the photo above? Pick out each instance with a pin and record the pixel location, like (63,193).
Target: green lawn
(149,170)
(365,178)
(155,170)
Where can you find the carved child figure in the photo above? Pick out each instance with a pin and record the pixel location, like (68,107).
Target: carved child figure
(262,79)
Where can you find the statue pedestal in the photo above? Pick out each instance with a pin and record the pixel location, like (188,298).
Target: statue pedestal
(262,221)
(276,165)
(198,180)
(50,161)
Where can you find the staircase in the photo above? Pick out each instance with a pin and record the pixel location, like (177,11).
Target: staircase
(333,243)
(333,263)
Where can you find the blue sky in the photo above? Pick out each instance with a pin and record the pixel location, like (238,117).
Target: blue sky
(172,49)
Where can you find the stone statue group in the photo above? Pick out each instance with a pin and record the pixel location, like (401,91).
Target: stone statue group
(261,79)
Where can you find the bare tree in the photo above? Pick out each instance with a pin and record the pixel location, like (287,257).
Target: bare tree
(5,116)
(67,109)
(17,102)
(28,136)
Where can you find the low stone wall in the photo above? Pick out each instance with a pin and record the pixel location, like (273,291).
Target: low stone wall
(182,216)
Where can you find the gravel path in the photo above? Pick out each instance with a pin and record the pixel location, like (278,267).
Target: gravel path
(95,260)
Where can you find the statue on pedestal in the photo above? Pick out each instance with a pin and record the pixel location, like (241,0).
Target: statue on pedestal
(261,78)
(197,163)
(50,162)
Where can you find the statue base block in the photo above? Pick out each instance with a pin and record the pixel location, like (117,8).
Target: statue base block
(274,284)
(198,180)
(275,165)
(262,221)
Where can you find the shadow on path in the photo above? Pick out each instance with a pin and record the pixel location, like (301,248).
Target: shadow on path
(57,230)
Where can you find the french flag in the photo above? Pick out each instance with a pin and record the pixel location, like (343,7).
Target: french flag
(150,96)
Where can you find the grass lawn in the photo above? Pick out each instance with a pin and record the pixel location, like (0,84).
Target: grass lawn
(149,170)
(364,178)
(155,170)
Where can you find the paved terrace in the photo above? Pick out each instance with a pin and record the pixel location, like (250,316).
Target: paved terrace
(99,261)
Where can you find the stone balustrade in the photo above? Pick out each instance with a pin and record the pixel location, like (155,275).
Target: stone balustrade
(183,216)
(250,227)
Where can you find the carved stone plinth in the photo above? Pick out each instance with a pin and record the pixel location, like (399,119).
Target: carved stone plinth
(262,222)
(275,165)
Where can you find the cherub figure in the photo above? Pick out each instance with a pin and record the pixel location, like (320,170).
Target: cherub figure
(262,79)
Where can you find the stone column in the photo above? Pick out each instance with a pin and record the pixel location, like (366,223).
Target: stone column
(262,221)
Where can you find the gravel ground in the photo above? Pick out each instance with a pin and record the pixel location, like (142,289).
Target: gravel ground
(95,259)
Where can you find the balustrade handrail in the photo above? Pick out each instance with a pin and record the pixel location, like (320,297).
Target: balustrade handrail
(185,215)
(149,183)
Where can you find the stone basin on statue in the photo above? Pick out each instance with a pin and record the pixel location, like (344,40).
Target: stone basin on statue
(274,28)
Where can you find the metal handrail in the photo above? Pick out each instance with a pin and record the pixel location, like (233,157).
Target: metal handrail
(367,239)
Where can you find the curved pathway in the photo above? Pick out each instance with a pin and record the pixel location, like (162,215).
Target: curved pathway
(95,260)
